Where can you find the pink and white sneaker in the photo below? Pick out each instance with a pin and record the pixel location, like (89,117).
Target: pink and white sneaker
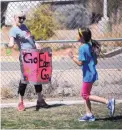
(20,106)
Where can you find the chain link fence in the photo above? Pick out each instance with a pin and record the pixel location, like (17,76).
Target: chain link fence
(54,24)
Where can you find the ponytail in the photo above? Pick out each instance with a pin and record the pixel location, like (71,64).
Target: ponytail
(96,47)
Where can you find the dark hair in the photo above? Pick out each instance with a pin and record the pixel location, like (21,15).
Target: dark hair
(85,33)
(96,47)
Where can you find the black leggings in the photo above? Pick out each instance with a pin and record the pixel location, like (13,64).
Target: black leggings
(22,88)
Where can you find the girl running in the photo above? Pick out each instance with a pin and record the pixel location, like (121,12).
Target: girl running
(87,59)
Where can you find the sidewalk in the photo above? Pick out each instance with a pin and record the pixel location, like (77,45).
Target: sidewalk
(29,104)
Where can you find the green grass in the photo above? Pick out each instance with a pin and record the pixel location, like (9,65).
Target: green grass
(60,117)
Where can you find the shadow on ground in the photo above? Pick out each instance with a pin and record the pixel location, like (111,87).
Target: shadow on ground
(115,118)
(50,106)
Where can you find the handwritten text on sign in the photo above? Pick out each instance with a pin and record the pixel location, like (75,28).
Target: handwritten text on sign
(37,65)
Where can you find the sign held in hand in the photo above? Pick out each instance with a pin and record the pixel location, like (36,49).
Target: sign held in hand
(36,65)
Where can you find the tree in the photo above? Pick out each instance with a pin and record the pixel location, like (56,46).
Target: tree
(72,16)
(41,22)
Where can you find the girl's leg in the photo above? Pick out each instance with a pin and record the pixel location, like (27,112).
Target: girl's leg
(98,99)
(21,98)
(38,89)
(21,92)
(40,101)
(86,89)
(85,92)
(110,103)
(88,107)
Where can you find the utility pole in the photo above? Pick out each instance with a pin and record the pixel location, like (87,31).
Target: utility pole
(105,10)
(104,24)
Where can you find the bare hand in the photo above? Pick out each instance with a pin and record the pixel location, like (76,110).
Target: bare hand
(38,46)
(70,53)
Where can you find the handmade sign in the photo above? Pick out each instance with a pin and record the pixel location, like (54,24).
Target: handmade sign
(36,65)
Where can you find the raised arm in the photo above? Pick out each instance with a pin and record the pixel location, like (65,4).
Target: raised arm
(79,63)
